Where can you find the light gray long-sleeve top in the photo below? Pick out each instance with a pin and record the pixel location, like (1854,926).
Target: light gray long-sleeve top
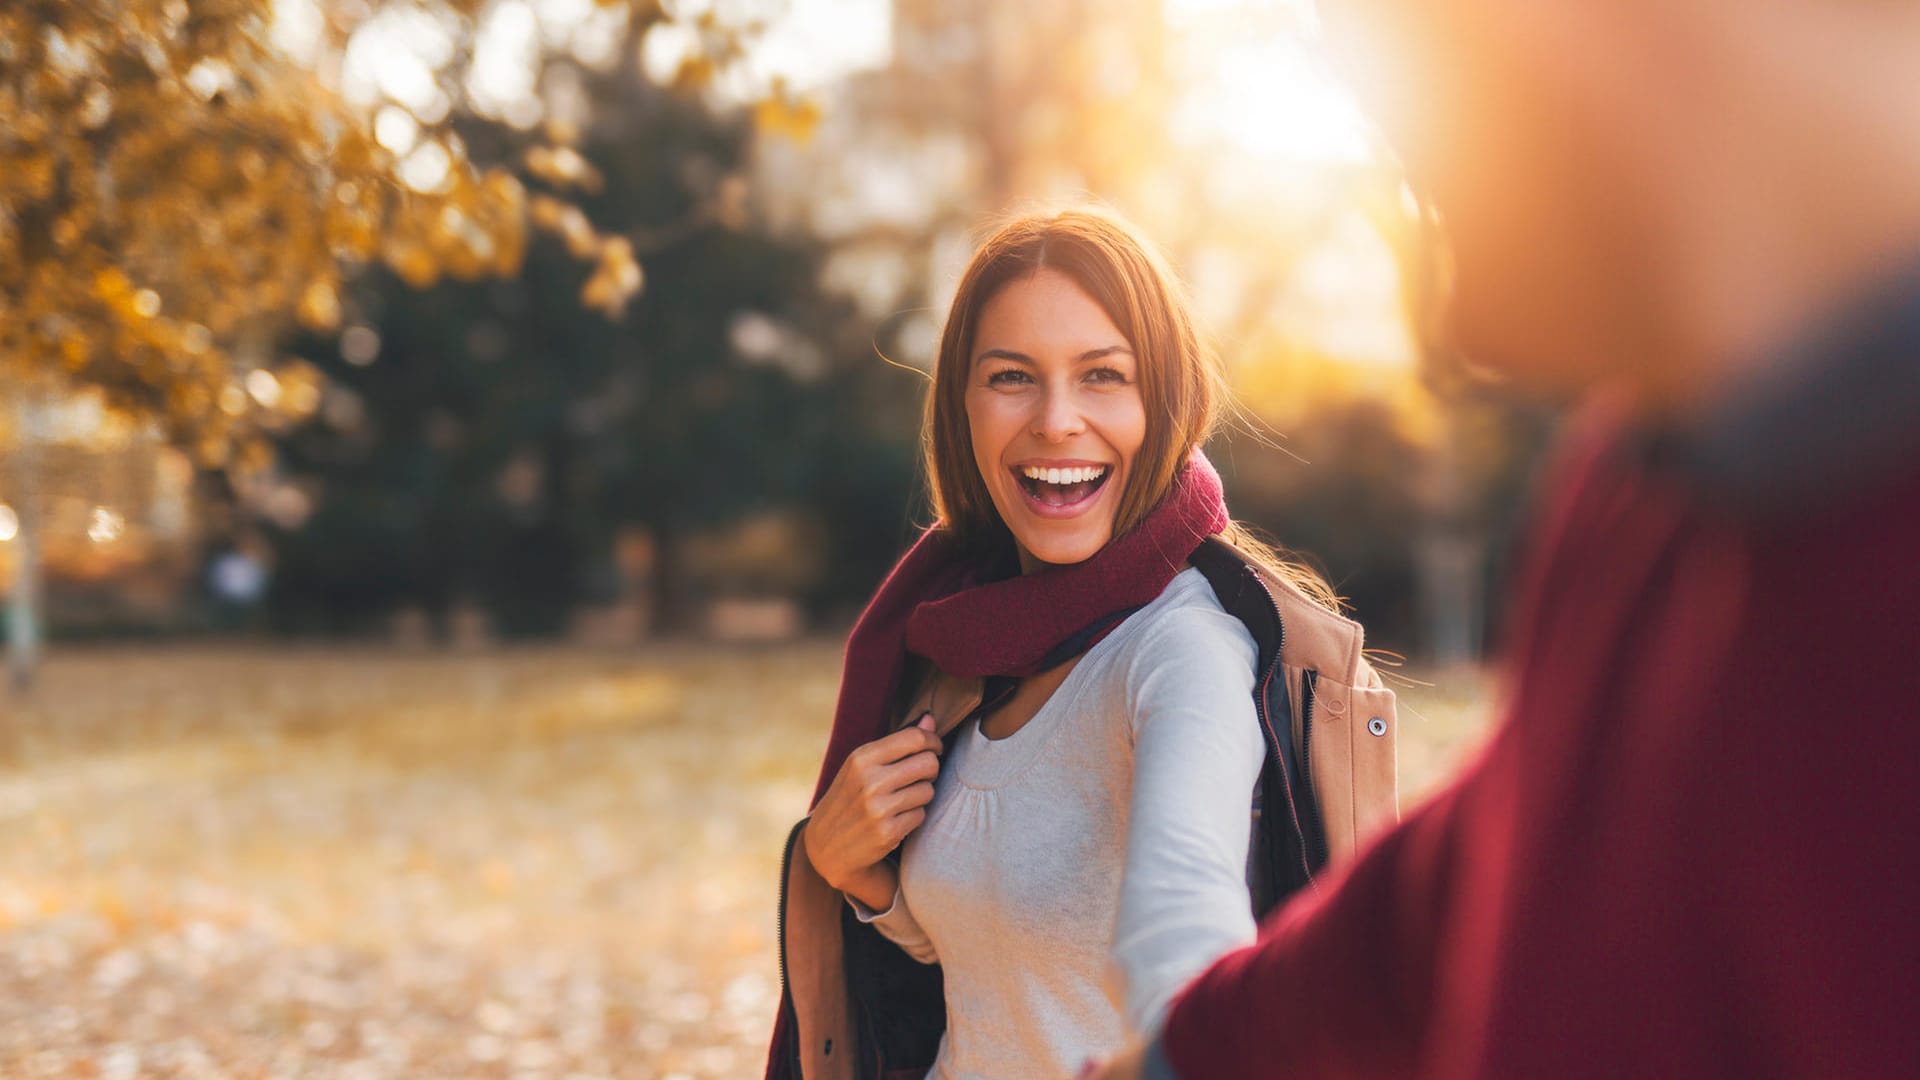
(1071,877)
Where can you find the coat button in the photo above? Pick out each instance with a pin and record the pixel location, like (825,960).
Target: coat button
(1335,705)
(1377,726)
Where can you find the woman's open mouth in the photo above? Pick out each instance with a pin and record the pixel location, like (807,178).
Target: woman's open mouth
(1061,492)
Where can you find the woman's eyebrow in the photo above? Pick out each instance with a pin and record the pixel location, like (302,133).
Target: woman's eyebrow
(1023,358)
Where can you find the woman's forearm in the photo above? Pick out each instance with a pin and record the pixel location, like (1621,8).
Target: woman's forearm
(891,916)
(873,886)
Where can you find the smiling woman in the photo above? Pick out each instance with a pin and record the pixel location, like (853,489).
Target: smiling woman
(1054,409)
(1061,710)
(1052,358)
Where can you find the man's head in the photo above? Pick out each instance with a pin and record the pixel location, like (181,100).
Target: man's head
(1648,192)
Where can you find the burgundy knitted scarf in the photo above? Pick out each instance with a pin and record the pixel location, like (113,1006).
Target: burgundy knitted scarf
(941,604)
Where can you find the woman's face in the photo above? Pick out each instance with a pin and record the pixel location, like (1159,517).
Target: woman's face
(1054,407)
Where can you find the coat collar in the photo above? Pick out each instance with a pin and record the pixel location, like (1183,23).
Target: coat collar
(1831,416)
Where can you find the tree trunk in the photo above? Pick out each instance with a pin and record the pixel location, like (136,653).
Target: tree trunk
(23,613)
(1449,564)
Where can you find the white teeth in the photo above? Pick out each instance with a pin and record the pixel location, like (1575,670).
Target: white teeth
(1082,475)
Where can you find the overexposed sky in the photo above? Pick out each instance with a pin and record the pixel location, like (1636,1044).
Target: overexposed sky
(1255,94)
(1266,91)
(395,55)
(822,40)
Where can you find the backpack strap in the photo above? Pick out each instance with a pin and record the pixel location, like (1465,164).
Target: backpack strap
(1287,844)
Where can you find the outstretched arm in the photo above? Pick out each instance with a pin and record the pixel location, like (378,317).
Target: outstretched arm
(1197,753)
(1340,981)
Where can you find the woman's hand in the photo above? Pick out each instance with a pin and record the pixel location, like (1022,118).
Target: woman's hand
(879,796)
(1128,1064)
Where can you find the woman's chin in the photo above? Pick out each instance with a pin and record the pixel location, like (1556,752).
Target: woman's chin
(1054,549)
(1056,535)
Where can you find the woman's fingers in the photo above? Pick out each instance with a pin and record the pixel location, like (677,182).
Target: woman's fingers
(1128,1064)
(913,796)
(898,788)
(908,741)
(911,770)
(878,798)
(900,825)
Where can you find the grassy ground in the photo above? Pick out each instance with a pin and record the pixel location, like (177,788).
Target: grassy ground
(364,864)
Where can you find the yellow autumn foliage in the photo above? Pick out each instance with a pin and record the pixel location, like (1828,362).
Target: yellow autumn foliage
(175,191)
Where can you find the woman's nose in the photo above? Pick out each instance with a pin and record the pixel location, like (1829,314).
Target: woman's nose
(1058,417)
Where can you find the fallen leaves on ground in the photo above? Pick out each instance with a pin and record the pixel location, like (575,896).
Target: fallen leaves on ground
(362,863)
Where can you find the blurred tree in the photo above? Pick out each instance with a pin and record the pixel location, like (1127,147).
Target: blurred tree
(178,180)
(985,103)
(482,444)
(183,180)
(171,187)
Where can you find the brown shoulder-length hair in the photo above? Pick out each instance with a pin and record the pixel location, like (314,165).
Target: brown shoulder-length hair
(1181,381)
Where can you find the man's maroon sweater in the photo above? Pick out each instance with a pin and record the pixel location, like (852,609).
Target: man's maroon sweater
(1691,850)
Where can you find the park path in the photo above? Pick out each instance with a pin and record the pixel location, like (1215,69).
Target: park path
(363,863)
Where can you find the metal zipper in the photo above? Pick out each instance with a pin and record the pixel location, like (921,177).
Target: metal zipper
(1309,681)
(780,928)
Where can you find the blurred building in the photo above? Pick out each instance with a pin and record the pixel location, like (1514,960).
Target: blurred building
(101,507)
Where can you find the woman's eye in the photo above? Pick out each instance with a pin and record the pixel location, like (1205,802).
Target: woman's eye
(1007,377)
(1113,376)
